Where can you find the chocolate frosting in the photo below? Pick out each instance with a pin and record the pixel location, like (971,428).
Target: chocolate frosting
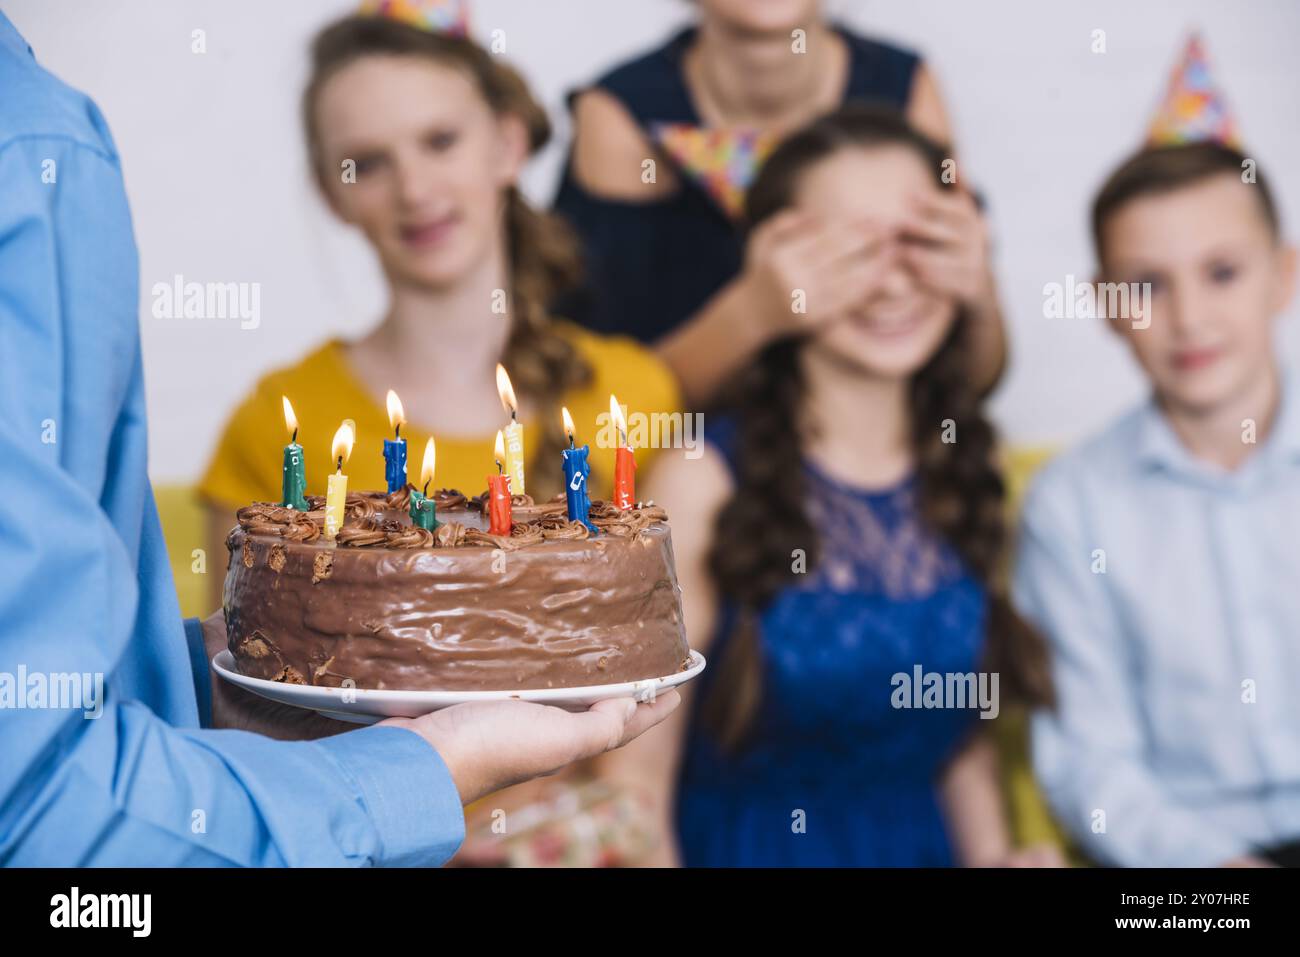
(390,605)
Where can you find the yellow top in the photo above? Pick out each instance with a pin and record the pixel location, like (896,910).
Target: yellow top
(246,466)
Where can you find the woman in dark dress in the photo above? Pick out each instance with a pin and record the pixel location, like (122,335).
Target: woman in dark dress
(664,148)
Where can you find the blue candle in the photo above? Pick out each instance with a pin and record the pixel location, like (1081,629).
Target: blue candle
(576,471)
(395,448)
(395,463)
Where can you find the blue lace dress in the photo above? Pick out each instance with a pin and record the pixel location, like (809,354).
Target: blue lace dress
(835,775)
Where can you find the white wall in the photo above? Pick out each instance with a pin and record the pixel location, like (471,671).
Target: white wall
(216,172)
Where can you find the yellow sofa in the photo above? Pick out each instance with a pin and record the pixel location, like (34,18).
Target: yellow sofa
(184,526)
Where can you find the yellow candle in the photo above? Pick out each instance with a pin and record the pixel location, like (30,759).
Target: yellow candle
(515,457)
(336,493)
(514,433)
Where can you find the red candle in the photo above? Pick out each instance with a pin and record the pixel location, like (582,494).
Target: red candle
(499,495)
(624,463)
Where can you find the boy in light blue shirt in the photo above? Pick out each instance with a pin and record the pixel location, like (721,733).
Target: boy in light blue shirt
(1162,558)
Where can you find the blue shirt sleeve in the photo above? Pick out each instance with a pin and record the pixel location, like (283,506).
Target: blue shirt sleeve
(202,674)
(103,760)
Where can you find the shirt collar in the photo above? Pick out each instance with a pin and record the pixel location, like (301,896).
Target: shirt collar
(10,37)
(1159,447)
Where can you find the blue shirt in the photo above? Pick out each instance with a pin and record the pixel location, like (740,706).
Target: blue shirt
(1177,661)
(85,585)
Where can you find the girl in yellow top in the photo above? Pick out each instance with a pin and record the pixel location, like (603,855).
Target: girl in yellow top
(417,138)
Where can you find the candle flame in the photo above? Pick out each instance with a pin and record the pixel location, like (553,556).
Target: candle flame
(616,416)
(500,451)
(290,420)
(343,440)
(426,470)
(506,391)
(568,423)
(396,414)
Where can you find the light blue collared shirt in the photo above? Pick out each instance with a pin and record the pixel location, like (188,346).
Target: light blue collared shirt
(85,586)
(1177,661)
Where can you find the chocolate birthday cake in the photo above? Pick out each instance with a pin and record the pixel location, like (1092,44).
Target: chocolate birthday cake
(391,605)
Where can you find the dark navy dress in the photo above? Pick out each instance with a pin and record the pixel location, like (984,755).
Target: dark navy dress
(651,265)
(834,774)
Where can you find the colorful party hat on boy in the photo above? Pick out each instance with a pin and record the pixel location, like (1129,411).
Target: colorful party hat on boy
(437,16)
(723,162)
(1194,109)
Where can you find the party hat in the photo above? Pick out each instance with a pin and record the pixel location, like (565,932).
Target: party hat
(1194,109)
(723,162)
(438,16)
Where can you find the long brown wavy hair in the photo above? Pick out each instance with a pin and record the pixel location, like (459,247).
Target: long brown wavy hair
(960,488)
(541,249)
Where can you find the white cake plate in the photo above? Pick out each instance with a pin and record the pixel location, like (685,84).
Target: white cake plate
(361,706)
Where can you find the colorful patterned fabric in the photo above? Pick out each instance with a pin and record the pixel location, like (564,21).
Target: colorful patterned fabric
(437,16)
(1194,108)
(723,161)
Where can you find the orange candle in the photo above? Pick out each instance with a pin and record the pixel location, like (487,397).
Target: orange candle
(499,495)
(624,462)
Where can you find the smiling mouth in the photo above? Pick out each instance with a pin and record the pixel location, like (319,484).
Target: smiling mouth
(1191,360)
(428,233)
(890,326)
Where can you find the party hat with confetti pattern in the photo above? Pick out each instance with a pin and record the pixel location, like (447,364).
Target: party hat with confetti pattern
(1194,109)
(722,161)
(438,16)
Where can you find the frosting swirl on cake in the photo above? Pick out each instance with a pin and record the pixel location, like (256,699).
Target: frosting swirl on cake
(378,518)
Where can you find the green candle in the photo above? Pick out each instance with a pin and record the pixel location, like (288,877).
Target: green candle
(424,513)
(294,481)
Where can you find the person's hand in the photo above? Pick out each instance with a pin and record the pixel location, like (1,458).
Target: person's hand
(1248,860)
(486,746)
(1035,855)
(837,264)
(945,243)
(235,708)
(490,745)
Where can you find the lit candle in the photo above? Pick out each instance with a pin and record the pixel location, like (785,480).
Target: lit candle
(293,483)
(424,512)
(336,493)
(624,462)
(576,471)
(499,495)
(514,433)
(395,448)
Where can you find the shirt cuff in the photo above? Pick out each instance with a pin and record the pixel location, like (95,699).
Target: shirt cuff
(407,790)
(202,670)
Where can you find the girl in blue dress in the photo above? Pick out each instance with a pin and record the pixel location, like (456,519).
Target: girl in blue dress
(838,543)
